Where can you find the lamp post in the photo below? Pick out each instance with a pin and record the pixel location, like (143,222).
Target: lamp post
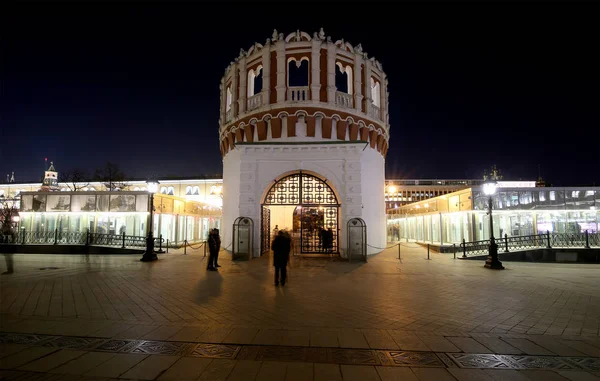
(149,254)
(489,189)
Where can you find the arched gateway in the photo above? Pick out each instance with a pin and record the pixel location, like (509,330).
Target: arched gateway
(310,212)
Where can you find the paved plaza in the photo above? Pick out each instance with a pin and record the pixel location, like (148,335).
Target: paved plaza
(77,317)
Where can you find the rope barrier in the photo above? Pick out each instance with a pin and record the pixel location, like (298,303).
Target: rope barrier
(196,248)
(383,248)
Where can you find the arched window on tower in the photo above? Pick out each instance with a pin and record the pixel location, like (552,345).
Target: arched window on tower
(255,81)
(375,92)
(171,191)
(228,99)
(196,191)
(188,191)
(298,72)
(343,78)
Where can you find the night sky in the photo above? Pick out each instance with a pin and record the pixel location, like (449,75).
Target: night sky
(470,85)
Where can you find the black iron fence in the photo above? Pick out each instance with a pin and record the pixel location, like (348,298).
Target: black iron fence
(57,237)
(546,240)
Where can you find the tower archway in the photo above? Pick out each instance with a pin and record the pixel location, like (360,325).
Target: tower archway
(308,207)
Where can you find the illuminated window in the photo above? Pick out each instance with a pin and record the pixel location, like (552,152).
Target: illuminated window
(163,190)
(188,190)
(171,191)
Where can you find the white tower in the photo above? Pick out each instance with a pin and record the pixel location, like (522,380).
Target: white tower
(304,132)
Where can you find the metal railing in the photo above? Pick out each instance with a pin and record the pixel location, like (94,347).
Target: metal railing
(546,240)
(57,237)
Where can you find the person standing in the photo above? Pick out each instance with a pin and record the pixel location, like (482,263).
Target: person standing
(281,254)
(218,240)
(214,245)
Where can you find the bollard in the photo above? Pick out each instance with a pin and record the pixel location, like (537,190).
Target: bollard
(123,246)
(167,246)
(454,247)
(55,236)
(87,237)
(427,251)
(505,243)
(399,258)
(464,245)
(548,238)
(587,240)
(185,247)
(204,244)
(160,241)
(23,240)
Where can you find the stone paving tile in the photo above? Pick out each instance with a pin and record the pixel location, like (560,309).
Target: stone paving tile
(295,337)
(556,347)
(160,333)
(396,374)
(468,345)
(116,365)
(241,336)
(150,367)
(271,371)
(327,372)
(545,375)
(498,346)
(528,347)
(24,357)
(359,373)
(10,349)
(583,347)
(408,341)
(352,338)
(470,374)
(185,369)
(433,374)
(379,339)
(324,338)
(577,375)
(299,371)
(217,370)
(83,364)
(505,375)
(51,361)
(439,344)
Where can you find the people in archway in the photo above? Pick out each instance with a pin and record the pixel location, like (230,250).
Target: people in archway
(281,254)
(276,230)
(214,245)
(328,240)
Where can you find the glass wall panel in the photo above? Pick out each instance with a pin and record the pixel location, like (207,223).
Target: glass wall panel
(551,221)
(102,202)
(141,203)
(83,203)
(435,228)
(122,203)
(58,203)
(190,229)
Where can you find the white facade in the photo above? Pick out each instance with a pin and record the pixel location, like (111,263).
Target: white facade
(355,175)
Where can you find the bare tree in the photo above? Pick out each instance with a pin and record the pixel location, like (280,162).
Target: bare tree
(75,179)
(8,217)
(112,177)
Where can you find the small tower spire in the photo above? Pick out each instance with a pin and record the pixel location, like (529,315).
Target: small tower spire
(50,182)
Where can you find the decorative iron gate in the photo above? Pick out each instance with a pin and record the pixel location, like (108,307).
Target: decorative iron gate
(265,230)
(316,217)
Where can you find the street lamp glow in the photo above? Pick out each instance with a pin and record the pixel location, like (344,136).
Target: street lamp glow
(489,188)
(153,186)
(392,189)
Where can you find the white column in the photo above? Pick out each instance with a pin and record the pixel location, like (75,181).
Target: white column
(266,74)
(223,97)
(234,87)
(368,87)
(243,85)
(315,64)
(358,96)
(331,51)
(383,98)
(281,69)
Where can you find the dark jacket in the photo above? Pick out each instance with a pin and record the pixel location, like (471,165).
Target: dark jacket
(214,243)
(281,250)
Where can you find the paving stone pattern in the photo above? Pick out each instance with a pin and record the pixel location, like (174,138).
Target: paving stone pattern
(113,317)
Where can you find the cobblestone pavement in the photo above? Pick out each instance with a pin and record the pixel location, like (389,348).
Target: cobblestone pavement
(77,317)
